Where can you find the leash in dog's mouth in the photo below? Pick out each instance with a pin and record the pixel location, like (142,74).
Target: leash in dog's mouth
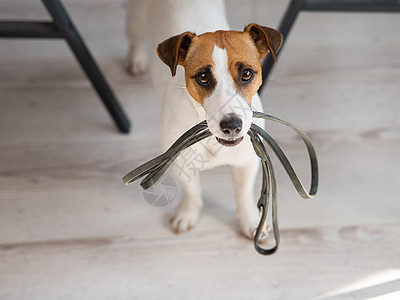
(156,167)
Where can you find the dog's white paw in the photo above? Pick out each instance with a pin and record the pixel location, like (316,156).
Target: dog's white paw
(248,223)
(185,219)
(137,60)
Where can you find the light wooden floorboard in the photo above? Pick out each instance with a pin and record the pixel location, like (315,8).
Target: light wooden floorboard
(69,228)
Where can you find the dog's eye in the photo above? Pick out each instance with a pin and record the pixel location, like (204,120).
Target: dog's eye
(247,75)
(202,78)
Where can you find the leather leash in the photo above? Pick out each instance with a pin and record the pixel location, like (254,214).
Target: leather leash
(156,167)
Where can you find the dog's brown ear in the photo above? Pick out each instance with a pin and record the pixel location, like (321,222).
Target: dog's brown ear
(173,51)
(266,39)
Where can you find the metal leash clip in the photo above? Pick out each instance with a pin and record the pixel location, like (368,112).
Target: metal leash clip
(156,167)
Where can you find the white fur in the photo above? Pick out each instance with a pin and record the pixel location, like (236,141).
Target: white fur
(180,111)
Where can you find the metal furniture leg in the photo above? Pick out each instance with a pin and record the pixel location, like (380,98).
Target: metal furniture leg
(296,6)
(284,27)
(67,29)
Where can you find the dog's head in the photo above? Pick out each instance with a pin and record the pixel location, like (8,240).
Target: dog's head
(223,73)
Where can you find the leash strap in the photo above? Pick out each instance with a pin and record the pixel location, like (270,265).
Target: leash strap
(156,167)
(283,159)
(255,133)
(268,187)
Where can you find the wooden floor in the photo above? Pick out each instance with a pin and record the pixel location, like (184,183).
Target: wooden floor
(69,228)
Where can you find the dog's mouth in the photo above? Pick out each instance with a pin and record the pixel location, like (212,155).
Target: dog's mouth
(229,143)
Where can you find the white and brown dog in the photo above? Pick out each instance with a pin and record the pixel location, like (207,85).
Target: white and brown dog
(218,82)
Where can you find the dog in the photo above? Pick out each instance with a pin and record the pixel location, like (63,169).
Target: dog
(202,70)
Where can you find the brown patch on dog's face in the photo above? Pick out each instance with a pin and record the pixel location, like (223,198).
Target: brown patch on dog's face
(199,67)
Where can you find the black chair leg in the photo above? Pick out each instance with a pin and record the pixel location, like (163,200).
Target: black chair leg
(296,6)
(286,24)
(70,33)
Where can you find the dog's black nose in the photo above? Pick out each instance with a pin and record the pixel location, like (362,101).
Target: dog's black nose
(231,124)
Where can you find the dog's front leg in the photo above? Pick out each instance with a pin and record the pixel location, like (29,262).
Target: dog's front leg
(243,179)
(188,210)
